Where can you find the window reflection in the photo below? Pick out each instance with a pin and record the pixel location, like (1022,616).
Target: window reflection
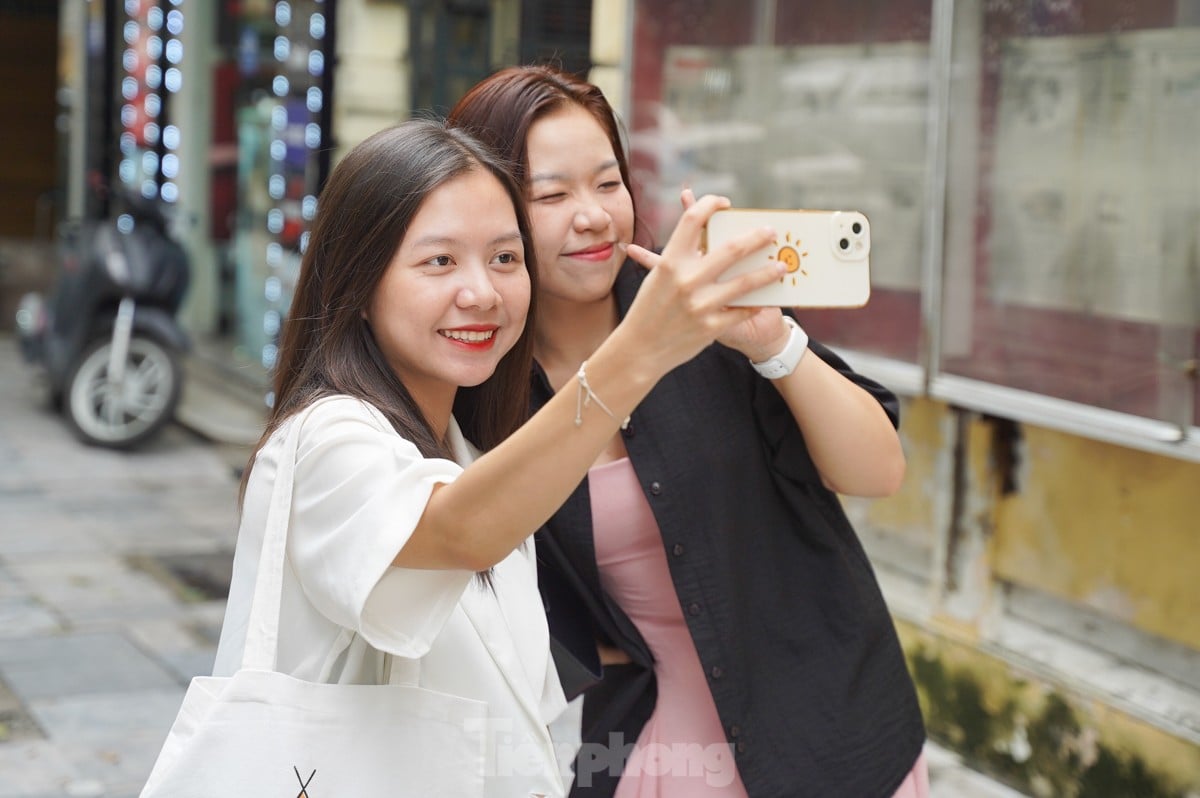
(825,108)
(1068,258)
(1082,282)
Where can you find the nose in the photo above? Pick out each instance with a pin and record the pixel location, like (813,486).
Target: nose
(591,216)
(478,289)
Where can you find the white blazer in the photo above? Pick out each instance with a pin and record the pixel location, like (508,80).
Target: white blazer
(359,491)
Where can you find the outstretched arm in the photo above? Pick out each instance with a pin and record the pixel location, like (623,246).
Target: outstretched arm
(498,501)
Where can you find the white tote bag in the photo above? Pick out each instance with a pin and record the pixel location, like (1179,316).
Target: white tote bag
(265,734)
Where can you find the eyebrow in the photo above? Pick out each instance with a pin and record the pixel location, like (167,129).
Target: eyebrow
(441,241)
(544,176)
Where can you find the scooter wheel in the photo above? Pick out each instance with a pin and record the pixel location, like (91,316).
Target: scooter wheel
(124,415)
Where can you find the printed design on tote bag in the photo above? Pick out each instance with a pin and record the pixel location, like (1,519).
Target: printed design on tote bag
(303,784)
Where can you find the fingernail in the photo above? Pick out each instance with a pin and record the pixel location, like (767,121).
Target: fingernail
(621,245)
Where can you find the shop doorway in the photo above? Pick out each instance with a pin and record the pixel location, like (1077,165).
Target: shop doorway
(29,202)
(28,77)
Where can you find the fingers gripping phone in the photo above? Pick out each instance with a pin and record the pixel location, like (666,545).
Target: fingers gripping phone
(827,255)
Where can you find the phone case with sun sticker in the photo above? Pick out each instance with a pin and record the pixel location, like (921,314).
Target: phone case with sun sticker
(827,254)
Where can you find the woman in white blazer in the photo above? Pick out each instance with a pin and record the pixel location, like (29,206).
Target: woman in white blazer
(407,340)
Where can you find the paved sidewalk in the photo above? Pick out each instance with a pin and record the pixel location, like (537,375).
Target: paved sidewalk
(111,571)
(98,633)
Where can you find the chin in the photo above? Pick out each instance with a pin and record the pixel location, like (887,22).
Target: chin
(598,288)
(475,380)
(474,377)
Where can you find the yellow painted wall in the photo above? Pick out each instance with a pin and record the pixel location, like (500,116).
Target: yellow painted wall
(372,70)
(927,434)
(1107,527)
(609,26)
(1112,528)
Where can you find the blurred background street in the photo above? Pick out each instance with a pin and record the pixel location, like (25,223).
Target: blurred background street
(1032,180)
(113,573)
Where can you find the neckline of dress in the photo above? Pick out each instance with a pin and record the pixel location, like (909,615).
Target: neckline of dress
(619,461)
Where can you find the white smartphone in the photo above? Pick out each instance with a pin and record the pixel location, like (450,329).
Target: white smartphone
(827,254)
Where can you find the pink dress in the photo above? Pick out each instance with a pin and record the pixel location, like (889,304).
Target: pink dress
(682,751)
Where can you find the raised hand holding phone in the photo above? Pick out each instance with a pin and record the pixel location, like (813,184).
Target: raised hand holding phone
(826,254)
(686,268)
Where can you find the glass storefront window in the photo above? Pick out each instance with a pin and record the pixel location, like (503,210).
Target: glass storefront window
(1074,203)
(1029,168)
(790,105)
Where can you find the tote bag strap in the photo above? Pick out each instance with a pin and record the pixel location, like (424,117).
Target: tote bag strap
(262,629)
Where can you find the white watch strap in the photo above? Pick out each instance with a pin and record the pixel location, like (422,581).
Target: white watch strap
(786,361)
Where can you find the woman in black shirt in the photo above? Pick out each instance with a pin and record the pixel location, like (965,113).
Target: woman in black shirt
(729,469)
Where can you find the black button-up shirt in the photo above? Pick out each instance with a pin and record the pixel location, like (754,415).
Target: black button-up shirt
(788,620)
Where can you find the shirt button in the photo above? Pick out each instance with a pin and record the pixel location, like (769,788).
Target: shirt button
(717,672)
(735,730)
(655,488)
(677,549)
(741,748)
(693,609)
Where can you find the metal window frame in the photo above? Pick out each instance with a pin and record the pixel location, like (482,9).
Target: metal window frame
(925,379)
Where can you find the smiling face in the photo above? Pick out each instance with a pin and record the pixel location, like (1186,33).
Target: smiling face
(454,297)
(579,207)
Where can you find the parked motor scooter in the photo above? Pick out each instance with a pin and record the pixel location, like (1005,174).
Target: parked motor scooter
(106,337)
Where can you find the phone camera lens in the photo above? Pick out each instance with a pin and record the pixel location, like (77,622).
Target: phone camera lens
(856,228)
(844,244)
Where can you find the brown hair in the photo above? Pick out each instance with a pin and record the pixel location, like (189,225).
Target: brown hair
(500,109)
(365,210)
